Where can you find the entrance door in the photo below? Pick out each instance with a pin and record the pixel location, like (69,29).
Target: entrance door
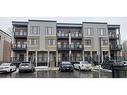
(21,57)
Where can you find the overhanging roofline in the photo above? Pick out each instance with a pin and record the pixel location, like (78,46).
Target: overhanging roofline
(96,22)
(43,20)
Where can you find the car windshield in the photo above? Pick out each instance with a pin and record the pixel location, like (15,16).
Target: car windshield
(5,64)
(85,62)
(24,64)
(66,63)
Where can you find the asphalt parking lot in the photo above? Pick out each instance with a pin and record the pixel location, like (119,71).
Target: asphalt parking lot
(57,74)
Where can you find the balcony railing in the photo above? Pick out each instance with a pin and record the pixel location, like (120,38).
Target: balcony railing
(116,47)
(19,46)
(62,35)
(114,36)
(76,36)
(76,46)
(63,47)
(70,47)
(20,34)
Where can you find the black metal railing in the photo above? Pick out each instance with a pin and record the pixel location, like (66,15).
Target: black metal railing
(19,46)
(76,35)
(20,34)
(17,59)
(64,46)
(114,36)
(116,47)
(76,46)
(63,35)
(72,46)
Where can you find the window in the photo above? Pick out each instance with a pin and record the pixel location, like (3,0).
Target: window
(89,31)
(0,37)
(87,41)
(34,29)
(105,42)
(33,41)
(49,31)
(101,31)
(51,42)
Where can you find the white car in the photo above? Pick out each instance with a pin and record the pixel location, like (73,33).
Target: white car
(7,67)
(124,62)
(83,65)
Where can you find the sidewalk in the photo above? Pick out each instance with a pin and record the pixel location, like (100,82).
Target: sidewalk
(41,68)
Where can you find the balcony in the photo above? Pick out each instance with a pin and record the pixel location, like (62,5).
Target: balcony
(76,47)
(63,47)
(20,35)
(16,47)
(113,36)
(116,47)
(63,36)
(76,36)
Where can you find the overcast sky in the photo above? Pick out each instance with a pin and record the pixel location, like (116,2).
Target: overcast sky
(5,22)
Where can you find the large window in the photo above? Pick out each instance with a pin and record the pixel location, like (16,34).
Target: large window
(34,29)
(51,42)
(105,42)
(49,31)
(101,31)
(88,42)
(89,31)
(33,41)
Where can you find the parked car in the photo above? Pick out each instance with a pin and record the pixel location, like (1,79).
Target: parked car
(66,66)
(26,66)
(125,63)
(109,64)
(83,65)
(7,67)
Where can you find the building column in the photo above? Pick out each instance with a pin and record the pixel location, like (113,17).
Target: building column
(56,58)
(83,55)
(36,58)
(91,54)
(109,54)
(69,55)
(102,57)
(27,59)
(48,59)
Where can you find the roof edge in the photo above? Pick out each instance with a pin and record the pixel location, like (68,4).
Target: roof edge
(5,33)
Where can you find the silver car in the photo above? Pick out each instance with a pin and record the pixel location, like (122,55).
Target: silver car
(26,66)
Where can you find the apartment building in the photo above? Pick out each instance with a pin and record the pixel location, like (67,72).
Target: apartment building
(47,43)
(5,47)
(19,41)
(115,42)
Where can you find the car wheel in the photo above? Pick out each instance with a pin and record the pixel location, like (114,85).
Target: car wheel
(10,70)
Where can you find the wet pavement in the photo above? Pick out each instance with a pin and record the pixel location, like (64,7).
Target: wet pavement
(57,74)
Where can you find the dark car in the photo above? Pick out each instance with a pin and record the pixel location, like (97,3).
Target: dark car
(26,66)
(66,66)
(109,64)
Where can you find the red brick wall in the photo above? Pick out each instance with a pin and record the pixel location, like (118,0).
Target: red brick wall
(6,51)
